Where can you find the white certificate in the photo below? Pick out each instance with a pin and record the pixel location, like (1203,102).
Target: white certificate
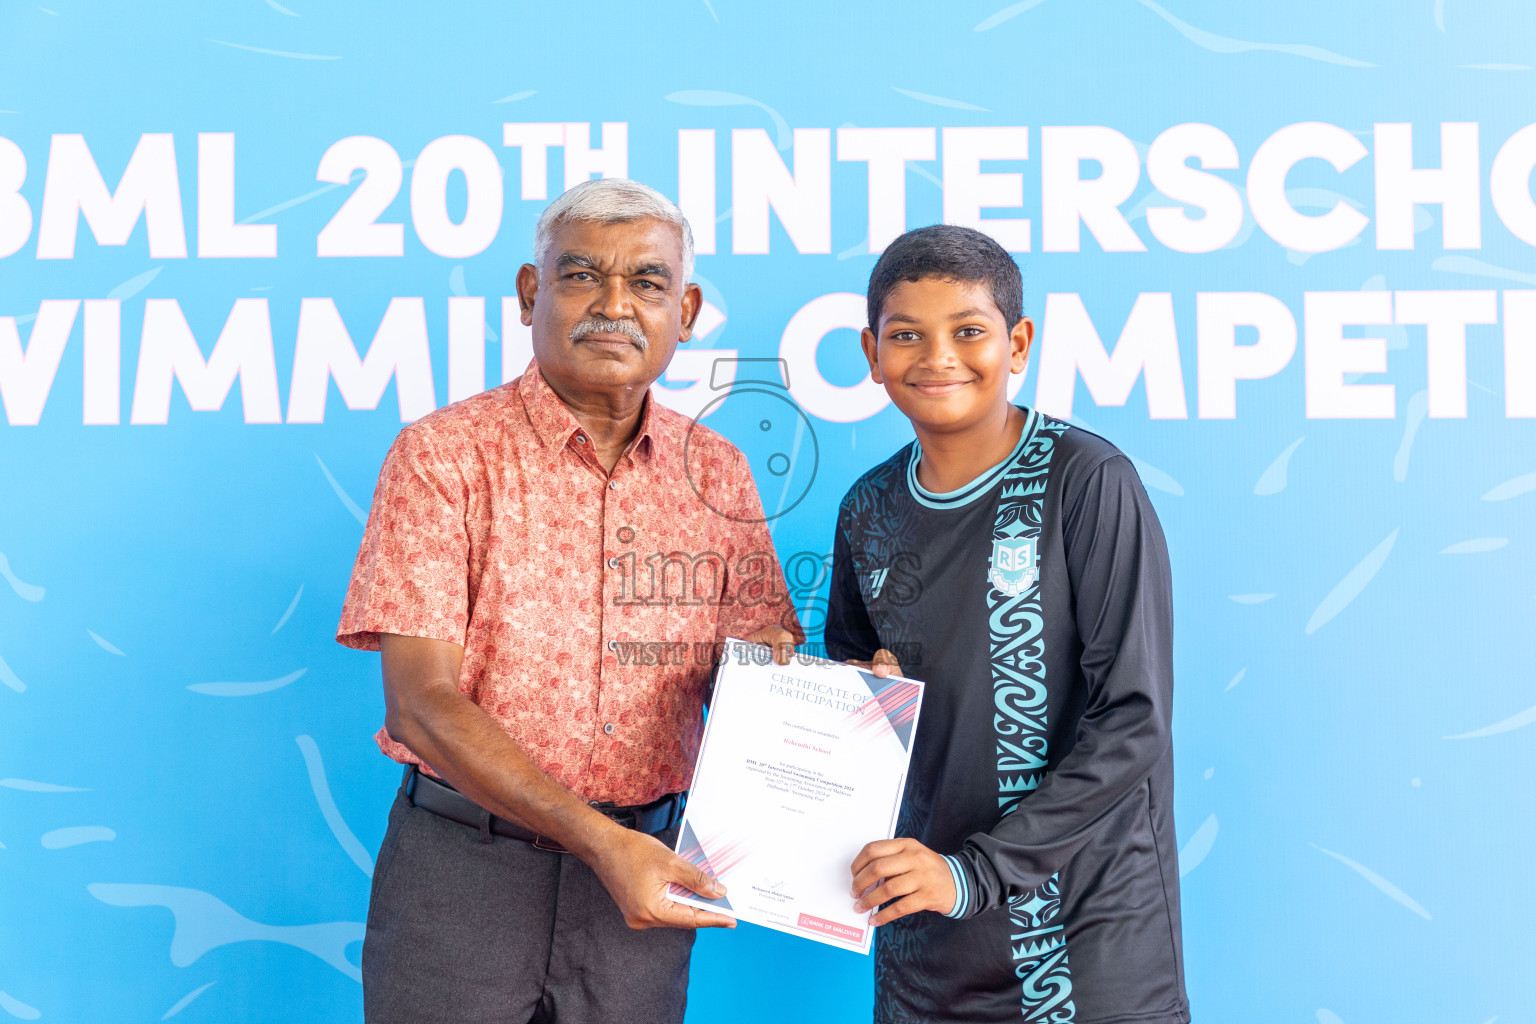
(801,766)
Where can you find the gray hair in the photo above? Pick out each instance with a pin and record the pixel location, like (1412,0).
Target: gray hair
(610,201)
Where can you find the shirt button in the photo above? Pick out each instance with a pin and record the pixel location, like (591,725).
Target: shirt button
(613,485)
(613,645)
(613,563)
(608,728)
(581,438)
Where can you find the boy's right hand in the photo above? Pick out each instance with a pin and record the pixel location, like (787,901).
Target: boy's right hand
(882,664)
(904,874)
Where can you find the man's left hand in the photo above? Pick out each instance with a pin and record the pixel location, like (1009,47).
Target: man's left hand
(903,870)
(780,640)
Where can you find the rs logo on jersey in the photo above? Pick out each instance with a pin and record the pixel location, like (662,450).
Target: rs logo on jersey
(1014,565)
(876,578)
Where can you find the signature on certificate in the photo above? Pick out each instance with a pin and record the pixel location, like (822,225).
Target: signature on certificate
(772,889)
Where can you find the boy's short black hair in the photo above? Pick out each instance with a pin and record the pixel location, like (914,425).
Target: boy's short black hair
(955,254)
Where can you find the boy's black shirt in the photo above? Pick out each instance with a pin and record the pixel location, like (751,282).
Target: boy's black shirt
(1042,765)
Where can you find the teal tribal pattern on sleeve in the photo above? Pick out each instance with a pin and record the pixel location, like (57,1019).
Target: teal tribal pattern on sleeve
(1017,648)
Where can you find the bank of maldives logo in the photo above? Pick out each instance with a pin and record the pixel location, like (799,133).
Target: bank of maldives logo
(1014,567)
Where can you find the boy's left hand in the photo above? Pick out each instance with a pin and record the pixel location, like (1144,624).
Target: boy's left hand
(907,872)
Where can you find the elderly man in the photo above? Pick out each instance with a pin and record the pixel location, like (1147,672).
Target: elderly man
(504,574)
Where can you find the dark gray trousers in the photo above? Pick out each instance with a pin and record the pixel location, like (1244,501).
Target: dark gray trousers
(464,931)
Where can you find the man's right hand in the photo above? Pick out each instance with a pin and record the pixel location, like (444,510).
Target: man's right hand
(637,870)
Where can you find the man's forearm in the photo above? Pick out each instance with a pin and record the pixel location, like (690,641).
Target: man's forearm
(428,714)
(464,745)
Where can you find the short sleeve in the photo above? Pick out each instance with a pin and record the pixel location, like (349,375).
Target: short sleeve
(755,595)
(412,571)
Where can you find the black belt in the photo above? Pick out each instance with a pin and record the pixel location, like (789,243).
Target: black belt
(434,795)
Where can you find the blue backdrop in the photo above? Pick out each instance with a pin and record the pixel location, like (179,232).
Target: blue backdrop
(190,797)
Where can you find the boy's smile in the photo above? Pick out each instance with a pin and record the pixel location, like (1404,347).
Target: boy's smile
(933,388)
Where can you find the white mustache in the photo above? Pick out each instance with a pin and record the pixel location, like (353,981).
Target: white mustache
(601,325)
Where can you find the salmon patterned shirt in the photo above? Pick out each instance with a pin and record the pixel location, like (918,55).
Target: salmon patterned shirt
(589,605)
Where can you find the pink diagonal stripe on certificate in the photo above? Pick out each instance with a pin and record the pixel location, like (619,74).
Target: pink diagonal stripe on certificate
(715,862)
(896,703)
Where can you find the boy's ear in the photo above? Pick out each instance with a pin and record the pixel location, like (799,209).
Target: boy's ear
(1020,338)
(871,352)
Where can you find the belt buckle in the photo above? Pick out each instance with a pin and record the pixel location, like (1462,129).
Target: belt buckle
(541,842)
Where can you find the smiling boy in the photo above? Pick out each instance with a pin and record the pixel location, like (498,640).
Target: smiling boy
(1037,874)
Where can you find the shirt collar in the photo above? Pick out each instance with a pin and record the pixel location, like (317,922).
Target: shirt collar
(552,421)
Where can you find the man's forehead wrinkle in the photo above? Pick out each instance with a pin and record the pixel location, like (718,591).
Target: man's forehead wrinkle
(642,266)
